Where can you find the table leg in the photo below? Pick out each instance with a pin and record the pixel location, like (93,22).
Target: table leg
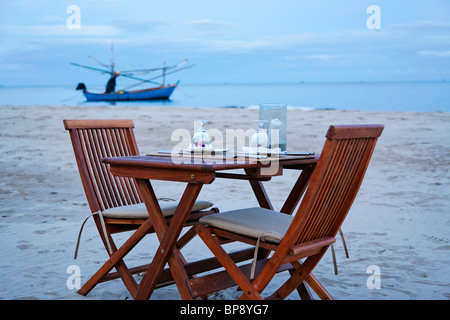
(298,190)
(167,235)
(260,192)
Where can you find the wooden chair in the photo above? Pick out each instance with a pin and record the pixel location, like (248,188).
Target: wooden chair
(115,203)
(306,235)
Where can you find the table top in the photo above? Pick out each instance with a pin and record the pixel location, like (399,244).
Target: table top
(206,164)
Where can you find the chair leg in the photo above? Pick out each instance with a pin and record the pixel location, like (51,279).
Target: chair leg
(115,260)
(302,290)
(303,273)
(241,280)
(336,272)
(122,270)
(333,254)
(317,287)
(188,236)
(343,243)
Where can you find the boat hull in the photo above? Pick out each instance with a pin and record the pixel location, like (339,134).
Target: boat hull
(161,93)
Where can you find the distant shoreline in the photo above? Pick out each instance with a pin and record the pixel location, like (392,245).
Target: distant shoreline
(248,83)
(253,107)
(365,96)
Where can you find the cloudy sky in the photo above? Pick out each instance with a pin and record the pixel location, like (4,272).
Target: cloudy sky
(229,41)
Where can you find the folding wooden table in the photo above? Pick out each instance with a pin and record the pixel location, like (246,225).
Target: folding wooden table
(195,173)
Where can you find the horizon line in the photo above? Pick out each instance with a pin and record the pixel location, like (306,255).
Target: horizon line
(301,82)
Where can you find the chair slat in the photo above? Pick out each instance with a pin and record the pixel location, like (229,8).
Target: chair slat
(93,168)
(121,190)
(331,194)
(126,181)
(128,184)
(114,153)
(340,192)
(341,177)
(104,176)
(114,191)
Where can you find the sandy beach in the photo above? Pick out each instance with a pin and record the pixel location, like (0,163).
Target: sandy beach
(399,221)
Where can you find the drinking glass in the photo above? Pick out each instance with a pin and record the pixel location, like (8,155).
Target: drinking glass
(276,114)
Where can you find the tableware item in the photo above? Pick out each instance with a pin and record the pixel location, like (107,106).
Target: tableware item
(276,115)
(209,149)
(260,140)
(300,154)
(201,138)
(266,151)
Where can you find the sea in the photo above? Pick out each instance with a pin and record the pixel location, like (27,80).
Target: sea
(364,96)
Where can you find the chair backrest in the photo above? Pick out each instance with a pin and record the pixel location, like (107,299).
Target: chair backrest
(93,140)
(334,182)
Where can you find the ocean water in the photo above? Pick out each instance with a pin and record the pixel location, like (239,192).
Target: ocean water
(364,96)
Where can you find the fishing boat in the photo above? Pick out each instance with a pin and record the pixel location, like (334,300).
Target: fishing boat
(159,92)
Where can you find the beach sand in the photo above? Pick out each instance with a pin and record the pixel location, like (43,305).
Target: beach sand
(398,223)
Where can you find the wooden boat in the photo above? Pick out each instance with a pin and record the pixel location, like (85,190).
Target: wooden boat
(161,92)
(157,93)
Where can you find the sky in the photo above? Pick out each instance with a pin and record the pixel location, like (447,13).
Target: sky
(244,41)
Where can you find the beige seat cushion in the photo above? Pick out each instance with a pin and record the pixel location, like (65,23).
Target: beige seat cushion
(252,222)
(139,211)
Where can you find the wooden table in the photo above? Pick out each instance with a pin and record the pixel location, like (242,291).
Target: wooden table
(195,173)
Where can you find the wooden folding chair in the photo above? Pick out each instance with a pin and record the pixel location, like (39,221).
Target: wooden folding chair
(306,235)
(115,203)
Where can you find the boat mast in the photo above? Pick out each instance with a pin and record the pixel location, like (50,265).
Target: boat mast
(112,58)
(164,74)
